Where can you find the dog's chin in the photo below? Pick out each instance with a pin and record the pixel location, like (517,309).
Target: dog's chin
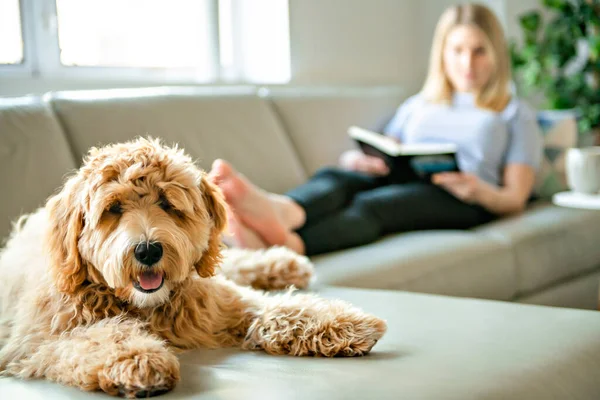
(150,299)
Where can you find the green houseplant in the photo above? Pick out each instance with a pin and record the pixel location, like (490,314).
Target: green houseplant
(559,59)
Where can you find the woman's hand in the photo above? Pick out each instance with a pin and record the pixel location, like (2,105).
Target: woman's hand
(511,198)
(464,186)
(356,160)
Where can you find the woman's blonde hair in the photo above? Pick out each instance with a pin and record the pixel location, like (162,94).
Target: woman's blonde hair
(495,94)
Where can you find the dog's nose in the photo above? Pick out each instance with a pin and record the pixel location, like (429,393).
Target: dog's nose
(148,253)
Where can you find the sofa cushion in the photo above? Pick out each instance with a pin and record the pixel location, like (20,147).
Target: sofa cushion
(457,263)
(435,348)
(231,123)
(317,120)
(34,157)
(550,244)
(580,292)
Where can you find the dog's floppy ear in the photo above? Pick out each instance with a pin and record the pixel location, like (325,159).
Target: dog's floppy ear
(216,206)
(65,216)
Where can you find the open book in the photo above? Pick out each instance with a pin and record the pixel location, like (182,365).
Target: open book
(407,161)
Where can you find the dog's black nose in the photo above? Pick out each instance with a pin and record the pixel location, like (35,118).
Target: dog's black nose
(148,253)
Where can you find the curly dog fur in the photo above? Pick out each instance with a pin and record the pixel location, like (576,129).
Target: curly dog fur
(79,306)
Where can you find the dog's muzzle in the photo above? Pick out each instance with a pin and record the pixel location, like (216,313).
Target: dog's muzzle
(151,279)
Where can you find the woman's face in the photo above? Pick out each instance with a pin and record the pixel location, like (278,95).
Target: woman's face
(467,62)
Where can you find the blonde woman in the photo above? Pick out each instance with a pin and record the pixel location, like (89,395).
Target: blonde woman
(466,100)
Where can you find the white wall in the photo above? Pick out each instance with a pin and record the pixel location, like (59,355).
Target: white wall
(355,41)
(374,41)
(344,42)
(515,8)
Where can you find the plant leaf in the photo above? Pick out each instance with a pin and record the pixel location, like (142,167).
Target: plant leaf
(530,22)
(594,46)
(556,4)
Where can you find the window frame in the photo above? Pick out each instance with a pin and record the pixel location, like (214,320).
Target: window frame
(41,54)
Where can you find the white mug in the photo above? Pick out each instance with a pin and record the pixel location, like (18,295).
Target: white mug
(583,169)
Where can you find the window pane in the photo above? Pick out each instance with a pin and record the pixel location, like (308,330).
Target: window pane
(137,33)
(11,39)
(254,40)
(264,40)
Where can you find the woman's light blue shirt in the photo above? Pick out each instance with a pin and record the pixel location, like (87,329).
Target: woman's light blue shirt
(487,141)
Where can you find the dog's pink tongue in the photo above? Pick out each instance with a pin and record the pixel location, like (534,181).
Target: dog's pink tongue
(150,280)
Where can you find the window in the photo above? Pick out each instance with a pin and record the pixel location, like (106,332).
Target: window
(11,38)
(169,40)
(255,40)
(143,33)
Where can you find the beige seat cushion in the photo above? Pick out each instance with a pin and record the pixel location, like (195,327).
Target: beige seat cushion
(230,123)
(457,263)
(550,244)
(34,157)
(581,292)
(435,348)
(317,119)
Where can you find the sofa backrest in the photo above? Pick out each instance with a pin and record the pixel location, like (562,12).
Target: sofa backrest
(276,137)
(317,119)
(34,157)
(222,122)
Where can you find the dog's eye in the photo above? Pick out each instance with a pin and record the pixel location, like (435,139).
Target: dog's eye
(116,208)
(168,207)
(164,204)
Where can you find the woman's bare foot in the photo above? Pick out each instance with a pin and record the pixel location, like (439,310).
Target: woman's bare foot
(239,235)
(290,213)
(294,242)
(250,203)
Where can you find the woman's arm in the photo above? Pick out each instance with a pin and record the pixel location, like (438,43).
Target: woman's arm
(522,158)
(511,198)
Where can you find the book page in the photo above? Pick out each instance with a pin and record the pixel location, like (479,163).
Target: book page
(390,146)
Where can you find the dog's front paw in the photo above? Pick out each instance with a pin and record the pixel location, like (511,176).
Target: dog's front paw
(275,268)
(284,268)
(141,374)
(306,325)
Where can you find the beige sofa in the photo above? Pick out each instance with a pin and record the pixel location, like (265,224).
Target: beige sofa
(436,347)
(278,137)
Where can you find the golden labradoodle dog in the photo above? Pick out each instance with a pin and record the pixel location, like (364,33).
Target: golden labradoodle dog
(101,287)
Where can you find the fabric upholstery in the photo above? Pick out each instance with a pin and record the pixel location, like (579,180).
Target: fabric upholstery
(230,123)
(317,120)
(34,157)
(435,348)
(580,292)
(457,263)
(277,137)
(550,244)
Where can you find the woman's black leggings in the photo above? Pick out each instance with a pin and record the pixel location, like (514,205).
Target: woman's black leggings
(346,209)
